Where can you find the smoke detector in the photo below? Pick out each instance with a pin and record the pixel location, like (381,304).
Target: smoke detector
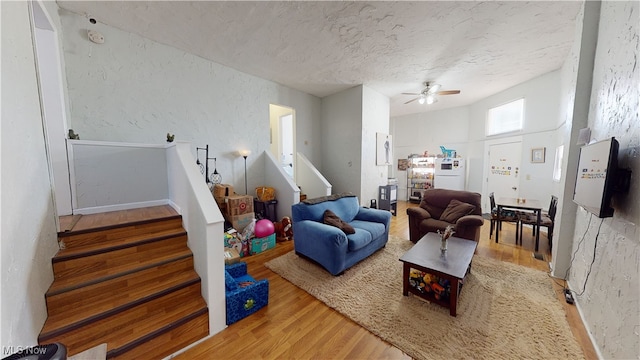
(95,37)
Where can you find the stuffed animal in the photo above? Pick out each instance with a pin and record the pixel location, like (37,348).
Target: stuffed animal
(288,227)
(284,230)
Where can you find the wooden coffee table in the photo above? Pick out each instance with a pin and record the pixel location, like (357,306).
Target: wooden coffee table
(425,256)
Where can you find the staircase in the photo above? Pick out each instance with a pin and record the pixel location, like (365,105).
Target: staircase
(130,285)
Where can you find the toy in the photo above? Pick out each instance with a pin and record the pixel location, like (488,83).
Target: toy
(288,227)
(283,229)
(264,228)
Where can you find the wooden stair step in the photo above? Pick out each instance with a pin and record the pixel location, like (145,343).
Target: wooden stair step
(109,268)
(168,342)
(116,244)
(117,258)
(136,325)
(86,237)
(88,304)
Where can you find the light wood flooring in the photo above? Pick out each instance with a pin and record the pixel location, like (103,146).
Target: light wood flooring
(295,325)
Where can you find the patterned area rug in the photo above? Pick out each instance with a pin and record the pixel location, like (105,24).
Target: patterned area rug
(505,311)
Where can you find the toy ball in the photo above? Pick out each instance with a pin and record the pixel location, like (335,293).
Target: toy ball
(264,228)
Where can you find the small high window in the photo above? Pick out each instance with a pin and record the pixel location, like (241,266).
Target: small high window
(505,118)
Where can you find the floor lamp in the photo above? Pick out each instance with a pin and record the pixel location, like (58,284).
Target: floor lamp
(244,154)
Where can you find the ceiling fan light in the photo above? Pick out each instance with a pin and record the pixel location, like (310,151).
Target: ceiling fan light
(430,99)
(434,88)
(422,99)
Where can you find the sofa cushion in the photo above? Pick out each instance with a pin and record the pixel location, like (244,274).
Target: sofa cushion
(455,210)
(330,218)
(359,239)
(375,229)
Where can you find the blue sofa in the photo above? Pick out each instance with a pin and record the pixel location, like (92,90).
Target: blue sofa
(331,247)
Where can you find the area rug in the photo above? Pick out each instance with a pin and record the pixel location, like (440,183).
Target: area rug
(505,311)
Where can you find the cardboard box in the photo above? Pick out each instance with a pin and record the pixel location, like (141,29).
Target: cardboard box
(239,222)
(239,205)
(221,191)
(231,256)
(259,245)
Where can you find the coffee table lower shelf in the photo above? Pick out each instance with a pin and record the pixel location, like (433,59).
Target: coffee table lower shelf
(449,301)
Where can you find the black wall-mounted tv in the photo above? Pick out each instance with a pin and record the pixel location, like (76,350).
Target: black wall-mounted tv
(596,178)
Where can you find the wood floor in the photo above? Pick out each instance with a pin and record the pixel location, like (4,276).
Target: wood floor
(295,325)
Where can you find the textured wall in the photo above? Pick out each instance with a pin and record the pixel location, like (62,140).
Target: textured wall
(28,219)
(131,89)
(610,300)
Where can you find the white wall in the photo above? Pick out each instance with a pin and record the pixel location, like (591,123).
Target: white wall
(375,119)
(341,140)
(542,104)
(463,129)
(115,176)
(610,304)
(28,217)
(131,89)
(575,85)
(417,133)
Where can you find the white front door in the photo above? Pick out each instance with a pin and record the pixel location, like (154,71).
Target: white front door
(504,169)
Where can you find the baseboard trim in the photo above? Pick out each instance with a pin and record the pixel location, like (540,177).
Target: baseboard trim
(576,302)
(118,207)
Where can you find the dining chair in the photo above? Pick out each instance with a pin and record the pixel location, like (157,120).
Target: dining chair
(546,220)
(505,215)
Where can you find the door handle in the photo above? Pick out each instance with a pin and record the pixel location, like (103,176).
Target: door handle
(514,188)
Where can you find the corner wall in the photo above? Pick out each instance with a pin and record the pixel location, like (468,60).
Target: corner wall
(375,119)
(342,140)
(610,300)
(29,238)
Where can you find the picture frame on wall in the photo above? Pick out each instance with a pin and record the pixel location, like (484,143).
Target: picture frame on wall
(537,155)
(403,164)
(384,147)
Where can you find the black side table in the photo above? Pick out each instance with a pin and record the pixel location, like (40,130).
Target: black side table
(266,209)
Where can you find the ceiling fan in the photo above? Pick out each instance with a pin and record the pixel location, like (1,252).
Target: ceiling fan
(429,93)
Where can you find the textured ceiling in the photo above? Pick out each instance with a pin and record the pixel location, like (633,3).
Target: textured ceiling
(323,47)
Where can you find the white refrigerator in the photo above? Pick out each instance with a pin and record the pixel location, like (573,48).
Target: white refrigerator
(449,173)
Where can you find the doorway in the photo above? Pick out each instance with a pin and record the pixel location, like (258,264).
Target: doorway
(53,111)
(504,169)
(282,130)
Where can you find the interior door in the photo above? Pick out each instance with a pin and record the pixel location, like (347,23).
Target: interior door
(504,169)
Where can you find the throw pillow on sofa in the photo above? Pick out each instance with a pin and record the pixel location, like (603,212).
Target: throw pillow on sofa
(330,218)
(455,210)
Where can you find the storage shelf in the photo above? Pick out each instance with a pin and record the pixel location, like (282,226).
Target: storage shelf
(420,176)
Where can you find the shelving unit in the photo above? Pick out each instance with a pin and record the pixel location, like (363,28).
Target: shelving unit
(419,177)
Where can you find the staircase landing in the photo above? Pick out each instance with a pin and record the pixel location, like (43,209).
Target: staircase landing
(85,222)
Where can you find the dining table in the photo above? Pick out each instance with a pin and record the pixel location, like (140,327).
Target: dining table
(532,205)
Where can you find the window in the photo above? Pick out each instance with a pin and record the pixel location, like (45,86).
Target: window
(505,118)
(557,166)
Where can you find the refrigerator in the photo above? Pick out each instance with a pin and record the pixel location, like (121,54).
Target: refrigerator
(449,173)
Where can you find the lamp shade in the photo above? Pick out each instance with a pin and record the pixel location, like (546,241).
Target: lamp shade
(244,153)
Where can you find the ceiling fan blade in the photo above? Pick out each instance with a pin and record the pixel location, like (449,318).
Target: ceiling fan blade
(414,94)
(412,100)
(449,92)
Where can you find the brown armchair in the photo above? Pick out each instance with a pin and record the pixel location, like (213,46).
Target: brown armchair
(465,214)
